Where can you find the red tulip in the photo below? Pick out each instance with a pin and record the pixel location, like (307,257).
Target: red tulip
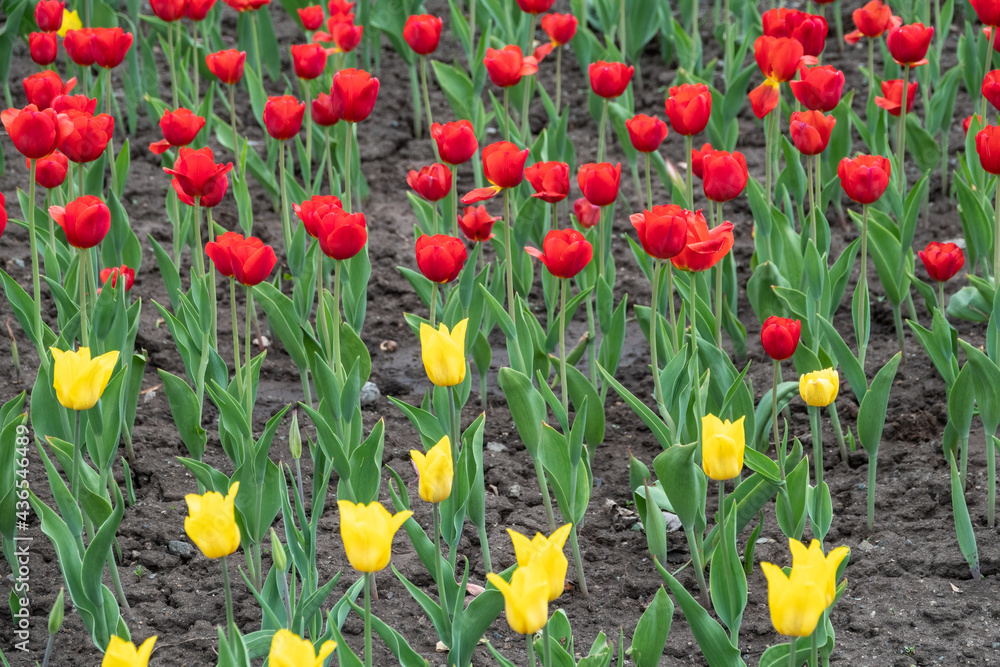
(433,183)
(609,80)
(179,129)
(67,103)
(456,141)
(506,66)
(49,14)
(323,113)
(820,88)
(988,11)
(211,199)
(248,260)
(865,177)
(809,30)
(810,131)
(778,59)
(698,158)
(908,43)
(587,215)
(126,274)
(440,258)
(43,87)
(988,147)
(967,123)
(892,96)
(354,93)
(3,214)
(43,46)
(689,108)
(550,180)
(196,172)
(872,21)
(503,166)
(247,5)
(991,88)
(110,46)
(197,10)
(704,248)
(169,10)
(662,230)
(308,60)
(89,136)
(339,6)
(988,31)
(565,252)
(942,260)
(312,211)
(342,235)
(423,32)
(535,6)
(561,28)
(476,223)
(341,32)
(599,182)
(50,171)
(311,17)
(227,65)
(86,221)
(35,133)
(646,132)
(283,116)
(79,47)
(724,175)
(780,336)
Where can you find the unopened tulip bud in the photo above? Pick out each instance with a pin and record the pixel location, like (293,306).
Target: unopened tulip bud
(295,436)
(278,552)
(58,612)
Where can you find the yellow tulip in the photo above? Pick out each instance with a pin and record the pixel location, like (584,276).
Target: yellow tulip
(722,445)
(796,600)
(436,471)
(79,380)
(525,598)
(546,553)
(820,567)
(121,653)
(820,388)
(211,522)
(290,650)
(71,21)
(367,532)
(443,353)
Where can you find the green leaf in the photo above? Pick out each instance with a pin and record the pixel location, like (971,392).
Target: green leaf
(683,480)
(963,522)
(651,632)
(871,414)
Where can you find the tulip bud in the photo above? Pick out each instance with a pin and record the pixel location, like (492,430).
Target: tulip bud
(819,388)
(295,436)
(278,553)
(58,612)
(780,336)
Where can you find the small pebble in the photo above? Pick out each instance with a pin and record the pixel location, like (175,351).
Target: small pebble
(369,394)
(514,491)
(179,548)
(496,447)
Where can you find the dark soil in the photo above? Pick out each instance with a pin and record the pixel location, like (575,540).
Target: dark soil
(910,598)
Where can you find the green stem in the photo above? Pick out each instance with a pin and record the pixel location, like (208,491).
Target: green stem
(872,464)
(348,167)
(329,162)
(621,26)
(199,250)
(941,300)
(699,570)
(901,144)
(718,293)
(592,336)
(991,471)
(897,318)
(507,225)
(529,85)
(307,94)
(811,165)
(674,342)
(563,289)
(601,135)
(768,141)
(81,279)
(699,413)
(194,62)
(427,97)
(649,185)
(996,236)
(531,649)
(171,61)
(722,503)
(654,329)
(227,587)
(337,366)
(77,459)
(256,45)
(791,652)
(248,385)
(546,646)
(454,418)
(689,172)
(286,224)
(433,305)
(35,279)
(236,142)
(111,135)
(559,50)
(601,250)
(862,334)
(213,294)
(368,619)
(543,486)
(871,69)
(817,435)
(986,68)
(578,559)
(236,337)
(506,114)
(837,431)
(116,581)
(774,413)
(321,323)
(814,649)
(454,199)
(442,595)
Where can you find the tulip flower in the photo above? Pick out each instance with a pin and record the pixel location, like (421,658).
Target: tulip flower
(565,252)
(599,182)
(79,380)
(988,11)
(311,17)
(341,32)
(308,60)
(822,568)
(545,553)
(796,601)
(704,248)
(70,21)
(697,159)
(662,230)
(456,141)
(724,175)
(476,223)
(440,258)
(646,132)
(283,116)
(86,221)
(312,211)
(247,5)
(367,532)
(354,93)
(322,111)
(433,182)
(535,6)
(722,447)
(79,45)
(197,10)
(908,44)
(126,274)
(609,79)
(227,65)
(892,96)
(525,599)
(871,21)
(865,177)
(778,58)
(169,10)
(503,166)
(991,88)
(967,122)
(35,133)
(247,260)
(121,653)
(110,46)
(443,353)
(87,137)
(43,47)
(810,131)
(211,522)
(41,88)
(780,336)
(290,650)
(179,128)
(196,171)
(50,171)
(506,66)
(688,108)
(942,260)
(67,103)
(587,215)
(809,30)
(49,14)
(561,28)
(436,470)
(422,33)
(819,388)
(342,235)
(819,88)
(550,180)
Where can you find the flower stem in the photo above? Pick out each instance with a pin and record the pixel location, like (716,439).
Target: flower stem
(996,236)
(814,659)
(674,343)
(348,167)
(236,142)
(774,414)
(563,289)
(862,334)
(230,617)
(901,144)
(791,652)
(871,68)
(531,650)
(286,223)
(321,323)
(507,225)
(77,459)
(248,385)
(35,279)
(81,279)
(941,298)
(427,97)
(559,50)
(194,61)
(718,291)
(621,27)
(991,471)
(506,114)
(173,66)
(454,199)
(307,171)
(578,560)
(236,337)
(817,435)
(654,329)
(456,425)
(329,162)
(689,172)
(601,136)
(433,305)
(543,486)
(649,185)
(546,646)
(835,421)
(442,595)
(986,68)
(368,619)
(872,463)
(337,366)
(699,570)
(256,45)
(111,135)
(199,250)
